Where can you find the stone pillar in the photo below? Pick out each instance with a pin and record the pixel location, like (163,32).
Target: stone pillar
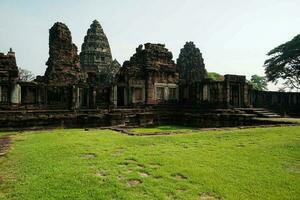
(77,97)
(15,94)
(125,96)
(205,92)
(150,93)
(227,94)
(246,95)
(114,95)
(131,98)
(94,98)
(143,93)
(87,97)
(166,93)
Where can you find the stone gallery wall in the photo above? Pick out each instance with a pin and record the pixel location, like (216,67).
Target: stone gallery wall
(286,103)
(230,93)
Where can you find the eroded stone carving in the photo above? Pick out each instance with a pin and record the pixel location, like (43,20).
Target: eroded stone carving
(150,76)
(63,63)
(96,58)
(8,67)
(190,63)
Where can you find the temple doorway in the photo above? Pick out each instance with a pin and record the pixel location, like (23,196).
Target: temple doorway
(120,96)
(235,100)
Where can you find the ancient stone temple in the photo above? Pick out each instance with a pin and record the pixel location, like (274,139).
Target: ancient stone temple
(149,77)
(96,58)
(58,88)
(190,63)
(9,75)
(63,63)
(148,89)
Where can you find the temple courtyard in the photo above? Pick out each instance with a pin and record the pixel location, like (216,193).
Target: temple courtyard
(163,162)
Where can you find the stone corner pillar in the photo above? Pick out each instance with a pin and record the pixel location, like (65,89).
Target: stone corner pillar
(15,96)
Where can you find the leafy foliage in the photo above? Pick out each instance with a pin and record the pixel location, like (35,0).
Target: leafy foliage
(285,63)
(25,75)
(215,76)
(258,82)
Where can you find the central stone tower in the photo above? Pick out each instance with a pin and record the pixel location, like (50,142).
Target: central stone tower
(95,57)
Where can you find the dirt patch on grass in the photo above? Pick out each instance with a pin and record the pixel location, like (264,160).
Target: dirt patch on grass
(180,190)
(143,174)
(100,174)
(140,166)
(240,145)
(117,153)
(128,171)
(133,182)
(131,160)
(208,196)
(88,155)
(4,144)
(154,165)
(294,168)
(179,176)
(123,164)
(120,178)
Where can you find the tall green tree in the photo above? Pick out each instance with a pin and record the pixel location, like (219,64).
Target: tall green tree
(258,83)
(284,63)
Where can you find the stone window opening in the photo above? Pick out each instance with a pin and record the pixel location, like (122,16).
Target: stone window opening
(172,93)
(138,94)
(160,93)
(3,94)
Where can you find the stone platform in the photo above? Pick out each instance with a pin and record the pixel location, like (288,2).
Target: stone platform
(128,117)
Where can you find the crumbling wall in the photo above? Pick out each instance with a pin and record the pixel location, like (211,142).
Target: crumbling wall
(285,103)
(63,62)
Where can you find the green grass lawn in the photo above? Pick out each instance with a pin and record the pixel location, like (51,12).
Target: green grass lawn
(258,163)
(164,129)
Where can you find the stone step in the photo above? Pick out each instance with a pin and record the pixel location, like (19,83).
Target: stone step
(260,112)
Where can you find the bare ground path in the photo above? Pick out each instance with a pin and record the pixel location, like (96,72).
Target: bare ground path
(4,144)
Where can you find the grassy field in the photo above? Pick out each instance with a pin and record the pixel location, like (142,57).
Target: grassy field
(258,163)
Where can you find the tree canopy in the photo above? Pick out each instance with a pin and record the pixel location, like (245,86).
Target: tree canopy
(25,75)
(258,83)
(284,63)
(215,76)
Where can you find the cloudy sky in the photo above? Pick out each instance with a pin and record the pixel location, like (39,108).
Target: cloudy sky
(233,35)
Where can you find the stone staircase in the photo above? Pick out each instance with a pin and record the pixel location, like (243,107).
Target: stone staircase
(131,117)
(259,112)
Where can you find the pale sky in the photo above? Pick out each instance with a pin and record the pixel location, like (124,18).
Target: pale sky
(233,35)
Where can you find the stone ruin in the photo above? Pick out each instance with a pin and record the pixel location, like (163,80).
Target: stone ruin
(96,58)
(9,76)
(190,64)
(63,63)
(149,77)
(150,88)
(8,67)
